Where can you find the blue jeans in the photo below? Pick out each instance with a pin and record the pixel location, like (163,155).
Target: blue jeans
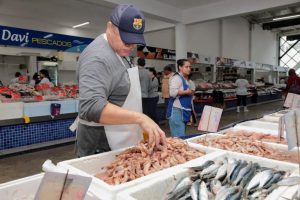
(177,126)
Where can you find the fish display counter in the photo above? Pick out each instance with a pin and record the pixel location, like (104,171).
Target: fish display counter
(132,167)
(25,126)
(225,175)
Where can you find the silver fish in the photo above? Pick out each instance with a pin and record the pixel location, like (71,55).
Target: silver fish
(237,170)
(228,193)
(203,166)
(242,173)
(194,190)
(203,192)
(289,181)
(276,177)
(222,191)
(266,176)
(210,175)
(259,193)
(238,195)
(185,197)
(255,181)
(180,189)
(215,186)
(247,178)
(222,171)
(209,170)
(231,167)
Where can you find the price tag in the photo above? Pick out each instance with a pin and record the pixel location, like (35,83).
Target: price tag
(60,186)
(210,119)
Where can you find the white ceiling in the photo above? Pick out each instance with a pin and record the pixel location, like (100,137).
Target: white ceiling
(185,4)
(66,13)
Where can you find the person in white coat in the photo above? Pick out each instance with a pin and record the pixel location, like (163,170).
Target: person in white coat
(242,85)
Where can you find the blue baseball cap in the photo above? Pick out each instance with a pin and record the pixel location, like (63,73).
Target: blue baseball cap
(130,22)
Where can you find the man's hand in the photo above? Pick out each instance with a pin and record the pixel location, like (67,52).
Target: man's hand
(157,137)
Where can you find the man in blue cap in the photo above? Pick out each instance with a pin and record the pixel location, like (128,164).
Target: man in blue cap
(110,109)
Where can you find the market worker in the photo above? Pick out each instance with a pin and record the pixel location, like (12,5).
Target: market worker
(16,79)
(109,89)
(145,82)
(165,84)
(45,78)
(180,103)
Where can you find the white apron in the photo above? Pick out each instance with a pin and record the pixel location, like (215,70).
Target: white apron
(121,136)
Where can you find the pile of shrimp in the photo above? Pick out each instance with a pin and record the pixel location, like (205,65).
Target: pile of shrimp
(247,146)
(256,136)
(140,161)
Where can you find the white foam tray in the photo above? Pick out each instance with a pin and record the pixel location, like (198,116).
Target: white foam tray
(192,142)
(26,188)
(156,189)
(270,118)
(259,126)
(159,187)
(91,165)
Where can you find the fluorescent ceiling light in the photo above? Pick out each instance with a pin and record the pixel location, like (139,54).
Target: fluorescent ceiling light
(78,25)
(287,17)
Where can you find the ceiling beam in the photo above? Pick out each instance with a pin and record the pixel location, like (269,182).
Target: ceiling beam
(280,24)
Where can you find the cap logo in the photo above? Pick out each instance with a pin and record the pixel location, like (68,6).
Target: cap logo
(137,23)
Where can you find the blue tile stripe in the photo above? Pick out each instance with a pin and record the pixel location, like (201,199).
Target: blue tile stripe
(34,133)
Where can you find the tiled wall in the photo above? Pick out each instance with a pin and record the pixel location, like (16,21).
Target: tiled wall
(34,133)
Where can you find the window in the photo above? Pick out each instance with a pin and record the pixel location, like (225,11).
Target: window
(289,54)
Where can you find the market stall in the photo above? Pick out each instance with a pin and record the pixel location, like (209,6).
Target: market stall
(36,117)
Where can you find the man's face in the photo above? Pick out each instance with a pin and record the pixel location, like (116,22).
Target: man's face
(116,42)
(185,69)
(167,72)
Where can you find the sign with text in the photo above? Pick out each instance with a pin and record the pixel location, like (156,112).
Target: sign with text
(210,119)
(38,39)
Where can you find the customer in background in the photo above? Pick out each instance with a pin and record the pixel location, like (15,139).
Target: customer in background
(16,79)
(193,88)
(241,92)
(180,103)
(153,95)
(159,77)
(45,78)
(35,79)
(167,74)
(293,83)
(145,82)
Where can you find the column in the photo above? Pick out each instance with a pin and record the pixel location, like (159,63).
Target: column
(180,41)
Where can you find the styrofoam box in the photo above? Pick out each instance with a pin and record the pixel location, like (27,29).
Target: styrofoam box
(91,165)
(26,188)
(11,110)
(259,126)
(160,186)
(270,118)
(192,142)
